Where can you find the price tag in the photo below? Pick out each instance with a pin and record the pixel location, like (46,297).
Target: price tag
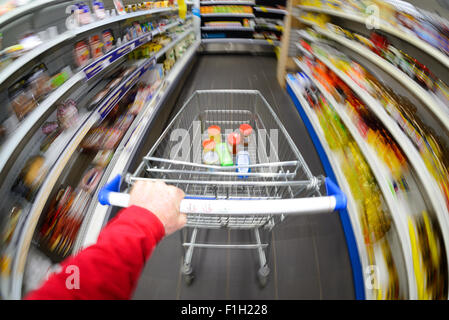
(105,63)
(264,9)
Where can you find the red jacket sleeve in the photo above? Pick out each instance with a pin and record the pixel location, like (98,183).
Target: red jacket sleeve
(110,268)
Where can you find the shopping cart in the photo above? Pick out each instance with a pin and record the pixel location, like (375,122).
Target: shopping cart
(275,183)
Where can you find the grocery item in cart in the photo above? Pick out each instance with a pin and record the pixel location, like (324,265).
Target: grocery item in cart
(243,162)
(211,158)
(245,132)
(233,142)
(214,133)
(208,145)
(224,155)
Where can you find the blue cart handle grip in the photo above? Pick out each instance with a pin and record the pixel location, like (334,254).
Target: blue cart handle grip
(335,200)
(341,201)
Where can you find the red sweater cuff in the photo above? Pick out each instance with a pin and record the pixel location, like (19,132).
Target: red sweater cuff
(145,218)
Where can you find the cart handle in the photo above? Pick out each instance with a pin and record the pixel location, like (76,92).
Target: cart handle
(334,201)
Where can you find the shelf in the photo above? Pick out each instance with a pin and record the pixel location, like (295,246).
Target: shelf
(304,51)
(423,95)
(97,213)
(248,29)
(429,185)
(243,41)
(18,12)
(392,30)
(271,28)
(307,22)
(235,15)
(270,10)
(23,60)
(102,63)
(173,43)
(233,3)
(76,136)
(341,180)
(383,178)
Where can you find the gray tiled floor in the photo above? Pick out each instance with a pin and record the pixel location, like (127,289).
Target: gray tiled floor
(308,255)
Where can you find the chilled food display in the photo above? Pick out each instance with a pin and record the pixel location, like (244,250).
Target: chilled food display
(64,113)
(82,15)
(64,216)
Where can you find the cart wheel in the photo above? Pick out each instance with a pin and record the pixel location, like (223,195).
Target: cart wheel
(262,276)
(187,273)
(188,278)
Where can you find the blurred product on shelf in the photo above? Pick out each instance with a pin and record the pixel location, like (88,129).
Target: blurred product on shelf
(372,131)
(226,9)
(270,24)
(98,8)
(67,114)
(417,71)
(95,46)
(82,53)
(433,150)
(427,26)
(374,217)
(31,177)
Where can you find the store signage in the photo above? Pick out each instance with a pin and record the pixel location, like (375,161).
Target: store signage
(118,93)
(100,64)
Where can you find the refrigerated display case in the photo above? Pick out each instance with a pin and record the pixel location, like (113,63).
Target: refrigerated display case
(374,87)
(103,80)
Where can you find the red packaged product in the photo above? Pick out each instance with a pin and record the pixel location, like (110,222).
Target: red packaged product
(82,54)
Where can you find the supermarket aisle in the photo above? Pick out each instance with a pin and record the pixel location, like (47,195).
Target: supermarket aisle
(308,258)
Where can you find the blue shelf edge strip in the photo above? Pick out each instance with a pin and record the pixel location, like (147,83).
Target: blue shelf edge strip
(357,274)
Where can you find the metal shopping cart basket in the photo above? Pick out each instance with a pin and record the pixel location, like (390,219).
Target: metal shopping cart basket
(255,196)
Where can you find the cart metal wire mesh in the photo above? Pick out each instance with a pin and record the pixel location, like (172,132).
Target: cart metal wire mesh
(277,169)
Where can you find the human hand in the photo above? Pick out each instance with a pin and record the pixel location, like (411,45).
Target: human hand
(162,200)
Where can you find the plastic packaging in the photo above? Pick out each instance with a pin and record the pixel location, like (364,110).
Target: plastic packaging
(245,132)
(214,133)
(234,140)
(242,161)
(211,158)
(223,153)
